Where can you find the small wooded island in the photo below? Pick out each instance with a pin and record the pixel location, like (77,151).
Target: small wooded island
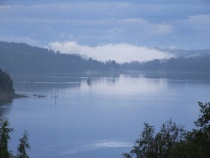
(7,92)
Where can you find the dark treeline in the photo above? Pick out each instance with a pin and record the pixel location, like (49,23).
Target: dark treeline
(20,58)
(182,64)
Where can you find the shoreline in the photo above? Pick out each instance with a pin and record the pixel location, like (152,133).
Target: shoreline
(7,97)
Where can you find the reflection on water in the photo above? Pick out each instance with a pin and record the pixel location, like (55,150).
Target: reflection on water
(40,85)
(99,115)
(4,110)
(204,77)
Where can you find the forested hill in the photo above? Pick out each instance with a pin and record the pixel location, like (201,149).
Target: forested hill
(198,63)
(6,87)
(20,58)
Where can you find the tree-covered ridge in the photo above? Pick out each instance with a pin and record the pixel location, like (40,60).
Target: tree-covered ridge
(181,64)
(6,87)
(20,58)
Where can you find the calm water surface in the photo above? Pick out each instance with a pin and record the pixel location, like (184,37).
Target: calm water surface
(97,116)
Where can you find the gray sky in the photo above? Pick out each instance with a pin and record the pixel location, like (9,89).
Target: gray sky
(99,23)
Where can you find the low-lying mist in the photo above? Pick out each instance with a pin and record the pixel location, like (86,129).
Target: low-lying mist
(121,52)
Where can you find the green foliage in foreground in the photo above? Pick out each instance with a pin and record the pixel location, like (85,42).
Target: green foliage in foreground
(172,141)
(5,131)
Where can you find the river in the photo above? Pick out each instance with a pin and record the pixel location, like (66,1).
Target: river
(99,115)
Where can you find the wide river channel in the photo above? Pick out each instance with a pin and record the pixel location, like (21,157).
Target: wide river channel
(99,116)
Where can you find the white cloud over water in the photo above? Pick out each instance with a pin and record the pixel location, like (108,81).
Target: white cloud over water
(121,52)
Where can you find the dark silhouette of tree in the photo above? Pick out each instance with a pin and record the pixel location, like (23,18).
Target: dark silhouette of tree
(23,146)
(197,141)
(172,141)
(5,131)
(4,138)
(155,145)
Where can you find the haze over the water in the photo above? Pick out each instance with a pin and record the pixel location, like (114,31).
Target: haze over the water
(108,29)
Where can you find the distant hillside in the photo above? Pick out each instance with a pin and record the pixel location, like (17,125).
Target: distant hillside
(185,53)
(20,58)
(198,63)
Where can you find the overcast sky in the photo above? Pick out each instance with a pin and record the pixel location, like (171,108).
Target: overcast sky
(114,26)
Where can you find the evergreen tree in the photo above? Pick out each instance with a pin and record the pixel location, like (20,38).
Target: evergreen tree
(5,131)
(4,138)
(23,146)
